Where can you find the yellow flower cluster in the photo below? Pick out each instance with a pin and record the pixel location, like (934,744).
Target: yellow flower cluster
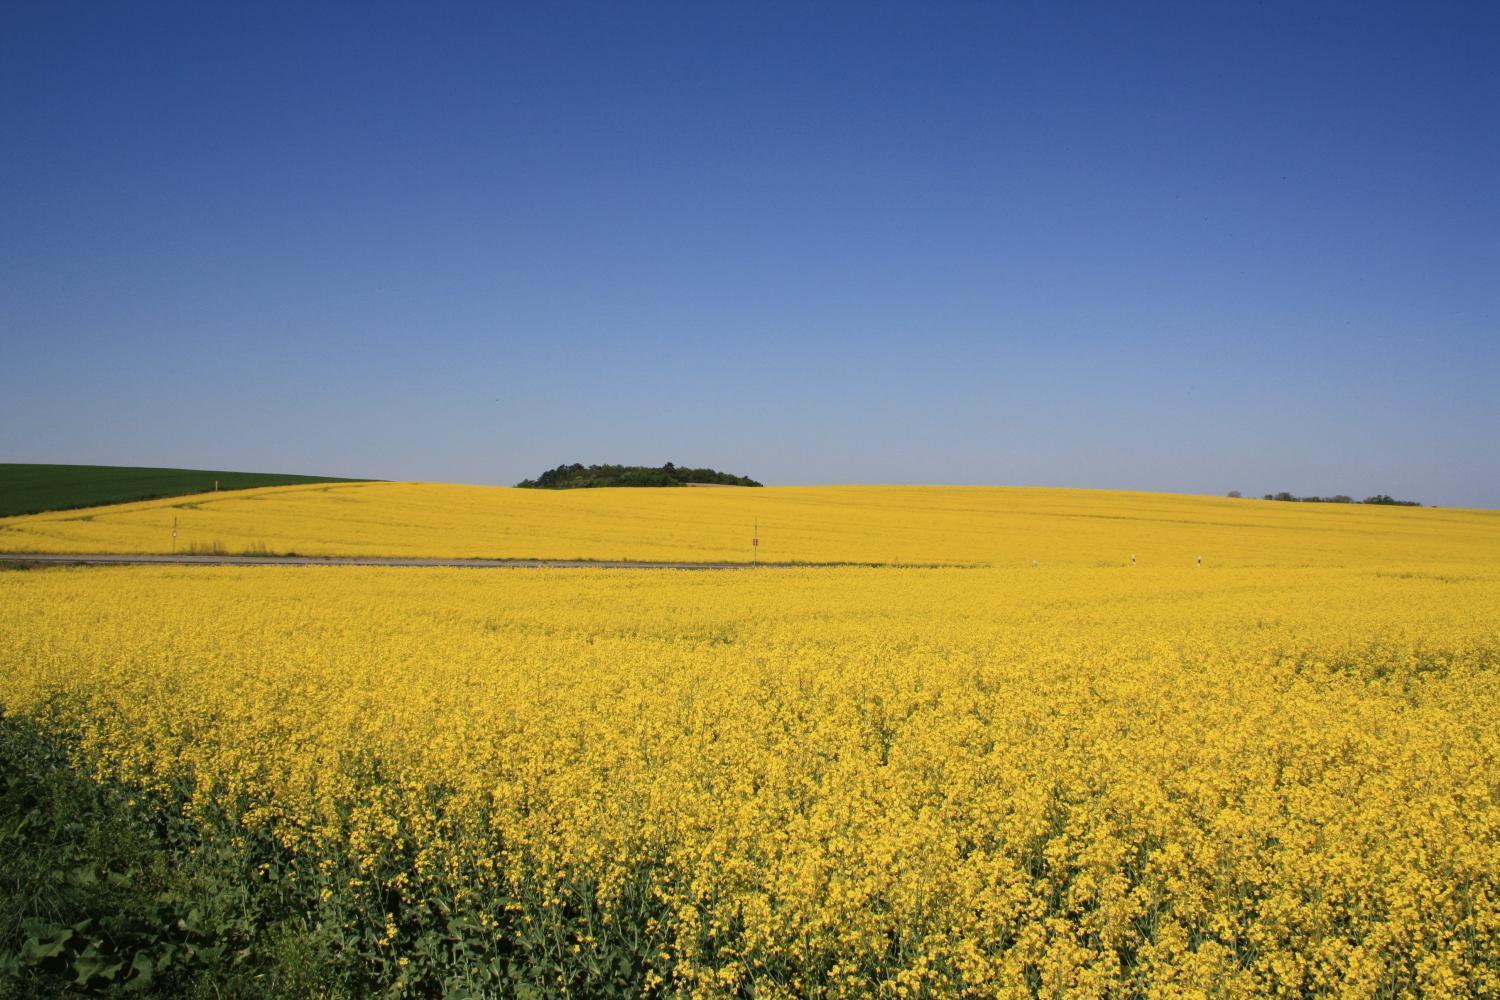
(1060,781)
(860,524)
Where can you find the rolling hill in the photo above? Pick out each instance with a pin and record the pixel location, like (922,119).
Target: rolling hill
(28,489)
(884,524)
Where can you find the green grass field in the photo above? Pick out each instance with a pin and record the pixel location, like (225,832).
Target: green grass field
(29,489)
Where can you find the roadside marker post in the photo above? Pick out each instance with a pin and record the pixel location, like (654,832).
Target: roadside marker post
(174,534)
(755,544)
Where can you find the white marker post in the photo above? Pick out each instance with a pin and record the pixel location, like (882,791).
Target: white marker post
(755,544)
(174,534)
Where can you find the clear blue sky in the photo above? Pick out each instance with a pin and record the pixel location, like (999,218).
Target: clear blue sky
(1193,247)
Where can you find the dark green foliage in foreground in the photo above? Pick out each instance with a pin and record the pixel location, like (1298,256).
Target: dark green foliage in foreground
(103,894)
(108,890)
(29,489)
(575,476)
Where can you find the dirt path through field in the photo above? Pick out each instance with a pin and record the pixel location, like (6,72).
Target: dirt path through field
(101,559)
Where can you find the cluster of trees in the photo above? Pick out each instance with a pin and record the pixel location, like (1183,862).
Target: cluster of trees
(576,476)
(1379,499)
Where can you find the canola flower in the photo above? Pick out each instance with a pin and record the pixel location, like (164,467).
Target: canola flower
(1062,781)
(861,524)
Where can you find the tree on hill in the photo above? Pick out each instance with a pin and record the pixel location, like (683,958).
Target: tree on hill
(1386,501)
(1380,499)
(579,476)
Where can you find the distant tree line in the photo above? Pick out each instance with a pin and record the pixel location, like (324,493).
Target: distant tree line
(1379,499)
(576,476)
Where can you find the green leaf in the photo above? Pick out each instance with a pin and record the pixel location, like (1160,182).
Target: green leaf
(91,964)
(39,948)
(84,876)
(141,969)
(192,923)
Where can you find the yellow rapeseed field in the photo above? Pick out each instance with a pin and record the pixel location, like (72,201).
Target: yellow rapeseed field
(880,524)
(1066,781)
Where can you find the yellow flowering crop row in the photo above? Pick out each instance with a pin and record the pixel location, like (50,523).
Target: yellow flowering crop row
(880,524)
(1061,781)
